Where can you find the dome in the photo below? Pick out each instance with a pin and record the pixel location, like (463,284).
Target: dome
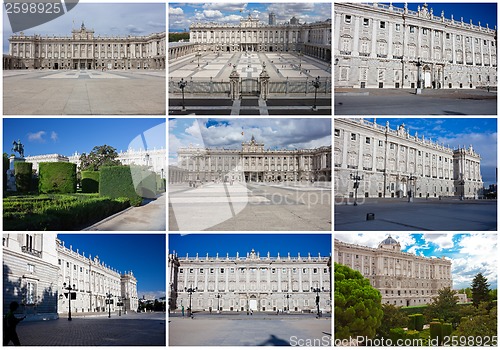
(389,240)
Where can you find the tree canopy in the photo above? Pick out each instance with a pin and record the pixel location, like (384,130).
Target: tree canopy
(358,309)
(99,156)
(480,289)
(444,306)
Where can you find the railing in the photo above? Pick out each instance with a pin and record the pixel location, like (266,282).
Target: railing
(31,251)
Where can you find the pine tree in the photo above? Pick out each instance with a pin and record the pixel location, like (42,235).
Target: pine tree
(480,289)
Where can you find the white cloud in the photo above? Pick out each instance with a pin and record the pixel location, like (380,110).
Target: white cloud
(212,14)
(177,11)
(442,240)
(53,136)
(37,136)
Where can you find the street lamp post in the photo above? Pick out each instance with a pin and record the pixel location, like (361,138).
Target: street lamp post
(419,81)
(120,304)
(190,291)
(109,296)
(411,178)
(218,296)
(182,85)
(288,296)
(356,178)
(69,288)
(300,60)
(316,83)
(461,182)
(198,55)
(317,290)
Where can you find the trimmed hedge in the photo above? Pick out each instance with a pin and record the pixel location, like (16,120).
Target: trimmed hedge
(147,186)
(23,172)
(116,182)
(58,212)
(58,177)
(90,181)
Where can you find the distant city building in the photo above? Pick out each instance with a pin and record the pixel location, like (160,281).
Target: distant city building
(83,50)
(403,279)
(251,282)
(36,267)
(313,39)
(391,163)
(253,163)
(385,46)
(156,159)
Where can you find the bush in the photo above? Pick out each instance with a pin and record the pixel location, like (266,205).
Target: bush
(58,212)
(58,177)
(147,187)
(116,182)
(90,181)
(436,331)
(23,172)
(411,322)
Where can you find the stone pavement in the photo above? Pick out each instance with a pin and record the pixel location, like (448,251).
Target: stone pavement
(69,92)
(425,215)
(405,102)
(143,329)
(148,217)
(250,207)
(256,330)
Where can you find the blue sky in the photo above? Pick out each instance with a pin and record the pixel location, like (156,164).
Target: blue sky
(182,15)
(481,133)
(243,243)
(470,254)
(66,136)
(143,254)
(478,12)
(289,133)
(111,19)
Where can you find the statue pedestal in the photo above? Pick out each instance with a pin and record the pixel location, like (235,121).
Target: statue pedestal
(11,178)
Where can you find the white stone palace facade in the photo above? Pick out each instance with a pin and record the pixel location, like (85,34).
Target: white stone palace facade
(36,266)
(403,279)
(84,50)
(254,163)
(391,163)
(155,159)
(384,46)
(251,282)
(312,39)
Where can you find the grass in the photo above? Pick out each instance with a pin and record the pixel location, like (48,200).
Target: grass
(58,211)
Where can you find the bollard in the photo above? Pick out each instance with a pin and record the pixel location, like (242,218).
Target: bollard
(370,216)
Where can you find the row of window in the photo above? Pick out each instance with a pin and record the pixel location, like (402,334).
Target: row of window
(425,31)
(253,270)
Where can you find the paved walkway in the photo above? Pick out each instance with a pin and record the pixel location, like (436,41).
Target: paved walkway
(250,331)
(405,102)
(250,207)
(148,217)
(69,92)
(143,329)
(422,215)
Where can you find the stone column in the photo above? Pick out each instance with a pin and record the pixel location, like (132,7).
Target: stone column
(264,82)
(11,179)
(234,79)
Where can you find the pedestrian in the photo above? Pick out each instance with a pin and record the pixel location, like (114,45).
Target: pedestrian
(182,310)
(9,325)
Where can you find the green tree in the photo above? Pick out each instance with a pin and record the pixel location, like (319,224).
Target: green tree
(444,306)
(481,325)
(467,291)
(99,156)
(393,317)
(358,309)
(480,289)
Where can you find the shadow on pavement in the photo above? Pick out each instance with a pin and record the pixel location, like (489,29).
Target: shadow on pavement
(274,341)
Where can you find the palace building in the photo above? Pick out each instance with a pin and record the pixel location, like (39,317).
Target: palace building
(84,50)
(155,159)
(254,163)
(38,269)
(312,39)
(394,163)
(403,279)
(251,282)
(384,46)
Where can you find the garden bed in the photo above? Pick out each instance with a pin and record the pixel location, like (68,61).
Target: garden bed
(58,212)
